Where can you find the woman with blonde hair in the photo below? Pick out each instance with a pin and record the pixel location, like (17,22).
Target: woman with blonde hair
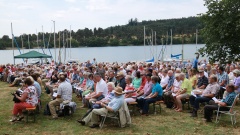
(192,77)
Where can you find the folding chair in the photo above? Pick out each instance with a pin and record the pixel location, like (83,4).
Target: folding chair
(133,105)
(231,112)
(111,116)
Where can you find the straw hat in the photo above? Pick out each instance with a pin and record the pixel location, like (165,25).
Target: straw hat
(200,70)
(236,71)
(120,74)
(119,90)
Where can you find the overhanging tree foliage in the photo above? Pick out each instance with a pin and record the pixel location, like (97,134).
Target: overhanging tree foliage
(221,30)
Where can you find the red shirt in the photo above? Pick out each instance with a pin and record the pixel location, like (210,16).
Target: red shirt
(144,80)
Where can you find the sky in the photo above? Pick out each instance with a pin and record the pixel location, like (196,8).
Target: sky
(29,16)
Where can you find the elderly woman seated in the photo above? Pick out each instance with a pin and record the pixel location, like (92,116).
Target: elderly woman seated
(164,79)
(184,92)
(156,95)
(129,90)
(168,96)
(106,99)
(28,99)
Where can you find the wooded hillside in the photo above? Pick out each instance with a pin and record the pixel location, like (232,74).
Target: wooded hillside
(183,30)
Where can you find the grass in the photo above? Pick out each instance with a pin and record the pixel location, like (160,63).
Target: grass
(168,122)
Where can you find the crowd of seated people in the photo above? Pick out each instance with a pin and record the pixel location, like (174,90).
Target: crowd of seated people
(95,84)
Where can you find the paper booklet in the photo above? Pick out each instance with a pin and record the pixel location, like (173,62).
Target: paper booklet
(55,94)
(215,99)
(192,93)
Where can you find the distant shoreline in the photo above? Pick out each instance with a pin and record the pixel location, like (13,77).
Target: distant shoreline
(10,48)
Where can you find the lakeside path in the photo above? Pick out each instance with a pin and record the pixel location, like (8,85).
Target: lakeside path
(168,122)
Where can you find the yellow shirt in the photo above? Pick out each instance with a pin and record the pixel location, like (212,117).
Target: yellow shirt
(186,84)
(192,79)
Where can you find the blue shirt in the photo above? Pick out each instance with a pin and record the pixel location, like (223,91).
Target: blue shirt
(195,63)
(157,88)
(116,103)
(38,87)
(67,80)
(75,77)
(229,99)
(90,84)
(223,77)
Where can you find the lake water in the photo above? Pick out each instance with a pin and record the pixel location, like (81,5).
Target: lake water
(111,54)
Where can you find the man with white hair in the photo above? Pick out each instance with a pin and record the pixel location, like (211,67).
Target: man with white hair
(121,69)
(64,93)
(183,93)
(231,75)
(113,106)
(101,90)
(204,96)
(202,69)
(236,81)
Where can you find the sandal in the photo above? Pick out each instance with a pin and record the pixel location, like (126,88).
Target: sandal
(13,119)
(20,118)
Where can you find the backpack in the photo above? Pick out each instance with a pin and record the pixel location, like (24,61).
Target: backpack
(169,104)
(67,108)
(66,111)
(47,90)
(47,110)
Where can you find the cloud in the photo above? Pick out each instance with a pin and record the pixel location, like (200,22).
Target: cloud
(89,13)
(98,5)
(25,7)
(70,1)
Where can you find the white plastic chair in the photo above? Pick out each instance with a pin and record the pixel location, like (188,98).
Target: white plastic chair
(231,112)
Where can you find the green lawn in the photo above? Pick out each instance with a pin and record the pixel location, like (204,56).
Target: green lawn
(168,122)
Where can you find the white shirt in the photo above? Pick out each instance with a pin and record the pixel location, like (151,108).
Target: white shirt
(65,90)
(164,80)
(231,77)
(206,74)
(102,87)
(176,85)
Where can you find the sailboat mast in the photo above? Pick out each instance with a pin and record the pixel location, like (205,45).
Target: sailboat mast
(12,44)
(171,41)
(37,40)
(64,48)
(54,42)
(67,41)
(70,43)
(155,44)
(144,34)
(152,45)
(196,38)
(166,44)
(43,40)
(162,48)
(182,45)
(59,55)
(22,43)
(28,43)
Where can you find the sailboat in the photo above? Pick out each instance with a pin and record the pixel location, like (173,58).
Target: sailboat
(176,56)
(151,47)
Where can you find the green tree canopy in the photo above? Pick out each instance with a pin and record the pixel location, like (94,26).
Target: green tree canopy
(221,30)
